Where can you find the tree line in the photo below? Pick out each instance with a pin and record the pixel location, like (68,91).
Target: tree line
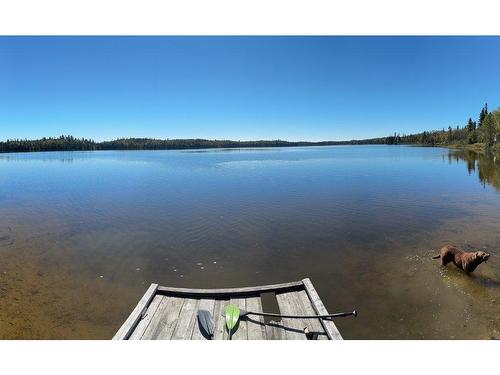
(70,143)
(484,130)
(62,143)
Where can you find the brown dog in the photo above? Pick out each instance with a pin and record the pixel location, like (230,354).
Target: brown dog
(463,260)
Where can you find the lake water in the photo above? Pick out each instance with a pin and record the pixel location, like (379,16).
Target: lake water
(83,234)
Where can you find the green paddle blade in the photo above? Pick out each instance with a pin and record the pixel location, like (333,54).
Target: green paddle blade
(232,316)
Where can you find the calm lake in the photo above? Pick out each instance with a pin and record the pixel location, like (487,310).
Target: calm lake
(83,234)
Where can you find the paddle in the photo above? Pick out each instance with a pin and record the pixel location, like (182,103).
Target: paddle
(232,317)
(206,322)
(233,314)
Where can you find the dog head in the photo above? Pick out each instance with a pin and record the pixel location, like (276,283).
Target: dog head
(481,256)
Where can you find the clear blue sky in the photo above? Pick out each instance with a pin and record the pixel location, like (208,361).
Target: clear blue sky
(293,88)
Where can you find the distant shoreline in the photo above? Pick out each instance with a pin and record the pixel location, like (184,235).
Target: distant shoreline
(476,147)
(481,136)
(70,143)
(455,139)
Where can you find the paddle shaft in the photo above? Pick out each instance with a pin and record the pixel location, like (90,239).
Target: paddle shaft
(328,316)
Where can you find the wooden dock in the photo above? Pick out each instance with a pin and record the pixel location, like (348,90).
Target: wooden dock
(165,313)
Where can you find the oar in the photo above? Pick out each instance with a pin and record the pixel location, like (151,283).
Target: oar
(326,316)
(233,314)
(206,322)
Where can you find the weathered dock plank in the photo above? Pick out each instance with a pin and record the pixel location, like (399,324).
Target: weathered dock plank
(163,323)
(219,319)
(305,306)
(128,327)
(230,292)
(187,319)
(294,328)
(275,331)
(147,317)
(255,324)
(329,327)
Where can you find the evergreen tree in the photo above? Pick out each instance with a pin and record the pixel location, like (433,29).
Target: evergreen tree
(483,114)
(488,134)
(471,125)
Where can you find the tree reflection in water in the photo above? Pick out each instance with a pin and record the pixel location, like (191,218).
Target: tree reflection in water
(487,165)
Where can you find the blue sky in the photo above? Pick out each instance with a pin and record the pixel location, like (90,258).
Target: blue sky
(293,88)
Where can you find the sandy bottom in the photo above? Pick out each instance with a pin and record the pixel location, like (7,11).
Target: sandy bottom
(51,290)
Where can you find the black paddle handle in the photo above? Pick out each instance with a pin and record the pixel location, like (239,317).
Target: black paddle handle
(327,316)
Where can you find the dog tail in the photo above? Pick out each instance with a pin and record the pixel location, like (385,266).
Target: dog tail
(436,256)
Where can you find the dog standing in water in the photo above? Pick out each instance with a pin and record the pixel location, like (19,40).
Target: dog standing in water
(467,262)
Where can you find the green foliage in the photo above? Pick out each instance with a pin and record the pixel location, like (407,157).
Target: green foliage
(63,143)
(489,131)
(471,125)
(69,143)
(472,138)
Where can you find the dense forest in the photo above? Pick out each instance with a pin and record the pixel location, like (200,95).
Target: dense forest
(70,143)
(485,131)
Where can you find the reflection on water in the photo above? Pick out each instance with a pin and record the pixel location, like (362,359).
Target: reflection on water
(82,234)
(486,165)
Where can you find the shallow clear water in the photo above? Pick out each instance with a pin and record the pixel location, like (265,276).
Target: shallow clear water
(82,234)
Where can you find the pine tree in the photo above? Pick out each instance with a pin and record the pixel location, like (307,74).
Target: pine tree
(488,130)
(483,114)
(471,125)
